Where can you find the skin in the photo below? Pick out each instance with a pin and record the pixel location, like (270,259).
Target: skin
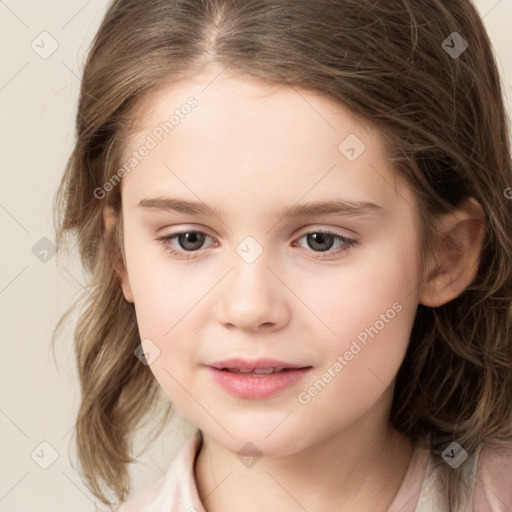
(250,148)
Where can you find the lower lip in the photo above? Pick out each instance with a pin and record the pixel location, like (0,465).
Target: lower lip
(243,385)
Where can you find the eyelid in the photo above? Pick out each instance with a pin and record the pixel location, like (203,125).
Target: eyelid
(166,240)
(330,254)
(323,228)
(318,228)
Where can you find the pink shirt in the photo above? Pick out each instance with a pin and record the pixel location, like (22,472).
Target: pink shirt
(176,491)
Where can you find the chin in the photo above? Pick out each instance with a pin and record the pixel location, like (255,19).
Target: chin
(253,443)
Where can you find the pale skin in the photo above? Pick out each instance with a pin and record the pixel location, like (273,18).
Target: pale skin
(250,149)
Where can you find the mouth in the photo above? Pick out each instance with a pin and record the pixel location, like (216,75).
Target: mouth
(256,380)
(258,372)
(258,366)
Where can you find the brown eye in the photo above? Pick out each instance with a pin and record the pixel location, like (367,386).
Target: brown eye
(190,240)
(326,242)
(320,241)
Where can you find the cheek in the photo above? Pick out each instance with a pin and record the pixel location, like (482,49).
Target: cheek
(372,325)
(165,315)
(161,291)
(164,296)
(370,310)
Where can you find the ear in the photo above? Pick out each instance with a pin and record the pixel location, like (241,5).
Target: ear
(109,219)
(462,234)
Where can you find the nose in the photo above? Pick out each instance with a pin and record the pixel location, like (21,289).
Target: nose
(252,297)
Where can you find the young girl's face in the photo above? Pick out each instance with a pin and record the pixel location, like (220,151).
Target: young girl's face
(251,281)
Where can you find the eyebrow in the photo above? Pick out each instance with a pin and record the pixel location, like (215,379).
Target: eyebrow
(329,207)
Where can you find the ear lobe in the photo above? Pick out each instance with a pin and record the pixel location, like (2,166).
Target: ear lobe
(462,234)
(109,220)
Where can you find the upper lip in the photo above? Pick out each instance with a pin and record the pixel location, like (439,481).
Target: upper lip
(248,364)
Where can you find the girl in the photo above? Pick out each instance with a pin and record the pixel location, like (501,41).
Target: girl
(296,219)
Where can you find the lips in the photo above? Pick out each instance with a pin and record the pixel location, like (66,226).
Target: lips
(256,379)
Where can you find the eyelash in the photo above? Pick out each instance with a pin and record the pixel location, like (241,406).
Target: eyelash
(347,243)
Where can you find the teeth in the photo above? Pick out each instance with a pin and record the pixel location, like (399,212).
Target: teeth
(261,371)
(267,370)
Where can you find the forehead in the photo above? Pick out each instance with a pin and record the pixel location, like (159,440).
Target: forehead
(229,100)
(248,135)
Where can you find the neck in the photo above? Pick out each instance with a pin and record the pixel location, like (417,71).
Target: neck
(358,468)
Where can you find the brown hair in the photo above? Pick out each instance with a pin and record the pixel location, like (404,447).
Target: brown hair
(444,120)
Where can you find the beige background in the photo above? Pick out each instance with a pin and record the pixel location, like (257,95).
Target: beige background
(38,400)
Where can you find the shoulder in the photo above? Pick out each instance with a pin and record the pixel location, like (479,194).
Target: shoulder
(493,481)
(143,499)
(172,489)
